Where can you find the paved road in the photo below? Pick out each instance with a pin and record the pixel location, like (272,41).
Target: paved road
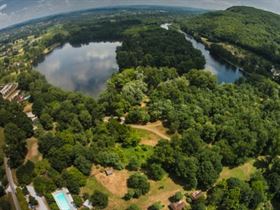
(41,200)
(11,184)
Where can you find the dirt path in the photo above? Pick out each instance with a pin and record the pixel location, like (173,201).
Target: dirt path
(156,128)
(33,153)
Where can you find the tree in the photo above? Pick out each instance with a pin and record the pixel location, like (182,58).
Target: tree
(74,179)
(155,171)
(134,164)
(176,197)
(46,121)
(133,207)
(137,115)
(186,169)
(15,140)
(83,165)
(32,201)
(43,185)
(99,199)
(156,206)
(139,183)
(25,173)
(85,119)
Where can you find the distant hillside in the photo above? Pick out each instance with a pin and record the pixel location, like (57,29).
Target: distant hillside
(252,29)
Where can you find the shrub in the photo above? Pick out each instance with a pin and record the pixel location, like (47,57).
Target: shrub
(99,199)
(139,183)
(155,171)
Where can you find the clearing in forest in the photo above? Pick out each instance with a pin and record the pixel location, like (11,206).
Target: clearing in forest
(33,153)
(156,127)
(115,186)
(242,172)
(115,183)
(147,137)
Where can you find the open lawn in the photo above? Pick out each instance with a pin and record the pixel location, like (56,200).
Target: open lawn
(115,183)
(147,137)
(141,152)
(2,141)
(242,172)
(155,127)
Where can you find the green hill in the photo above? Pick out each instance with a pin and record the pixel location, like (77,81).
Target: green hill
(251,29)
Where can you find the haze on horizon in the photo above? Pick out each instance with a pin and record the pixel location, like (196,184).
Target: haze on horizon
(16,11)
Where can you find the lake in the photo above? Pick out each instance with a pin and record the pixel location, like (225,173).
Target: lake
(85,68)
(225,73)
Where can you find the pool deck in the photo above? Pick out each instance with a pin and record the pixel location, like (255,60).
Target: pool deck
(68,197)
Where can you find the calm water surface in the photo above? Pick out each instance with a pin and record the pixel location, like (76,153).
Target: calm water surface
(85,68)
(225,73)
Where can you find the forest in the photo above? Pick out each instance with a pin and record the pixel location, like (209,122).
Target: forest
(253,30)
(159,48)
(212,126)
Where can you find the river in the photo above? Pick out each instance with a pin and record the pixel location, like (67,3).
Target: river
(225,73)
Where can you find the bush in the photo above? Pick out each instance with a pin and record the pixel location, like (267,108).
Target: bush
(134,164)
(99,199)
(25,173)
(139,183)
(129,195)
(137,115)
(177,197)
(155,171)
(33,201)
(133,207)
(77,200)
(156,206)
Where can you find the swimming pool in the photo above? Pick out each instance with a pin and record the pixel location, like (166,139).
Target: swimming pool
(62,201)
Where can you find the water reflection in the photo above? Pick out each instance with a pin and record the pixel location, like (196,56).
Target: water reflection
(85,69)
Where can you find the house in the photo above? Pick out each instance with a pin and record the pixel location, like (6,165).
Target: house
(87,204)
(196,194)
(9,91)
(31,116)
(177,205)
(109,171)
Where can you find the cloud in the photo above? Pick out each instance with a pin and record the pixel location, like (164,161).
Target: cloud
(3,6)
(16,10)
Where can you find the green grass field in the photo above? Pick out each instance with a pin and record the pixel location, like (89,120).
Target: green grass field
(141,152)
(242,172)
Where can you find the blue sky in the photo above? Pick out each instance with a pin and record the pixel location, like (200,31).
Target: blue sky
(15,11)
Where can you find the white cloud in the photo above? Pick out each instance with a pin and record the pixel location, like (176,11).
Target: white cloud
(3,6)
(17,12)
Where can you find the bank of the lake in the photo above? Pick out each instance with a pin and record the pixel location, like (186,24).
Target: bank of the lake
(226,73)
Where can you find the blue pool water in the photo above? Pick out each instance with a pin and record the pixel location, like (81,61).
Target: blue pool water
(62,201)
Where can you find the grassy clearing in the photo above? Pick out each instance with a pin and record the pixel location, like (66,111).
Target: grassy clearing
(242,172)
(2,141)
(160,191)
(147,137)
(141,152)
(33,153)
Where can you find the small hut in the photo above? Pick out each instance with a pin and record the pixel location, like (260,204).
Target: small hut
(109,171)
(177,205)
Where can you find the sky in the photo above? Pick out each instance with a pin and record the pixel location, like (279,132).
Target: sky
(15,11)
